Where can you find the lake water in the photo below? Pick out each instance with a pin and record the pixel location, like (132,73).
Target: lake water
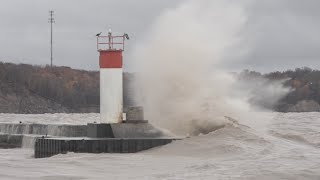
(259,146)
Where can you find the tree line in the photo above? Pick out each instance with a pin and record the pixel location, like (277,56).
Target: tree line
(304,83)
(78,90)
(74,89)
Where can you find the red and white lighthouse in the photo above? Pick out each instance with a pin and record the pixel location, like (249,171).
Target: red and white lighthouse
(111,81)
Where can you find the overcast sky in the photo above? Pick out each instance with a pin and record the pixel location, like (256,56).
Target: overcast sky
(283,33)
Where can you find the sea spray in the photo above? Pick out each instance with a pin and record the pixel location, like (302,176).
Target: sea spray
(178,80)
(28,140)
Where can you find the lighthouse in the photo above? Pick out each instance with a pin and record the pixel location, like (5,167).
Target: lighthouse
(110,50)
(112,134)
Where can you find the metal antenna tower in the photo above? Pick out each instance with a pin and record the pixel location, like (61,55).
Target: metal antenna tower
(51,20)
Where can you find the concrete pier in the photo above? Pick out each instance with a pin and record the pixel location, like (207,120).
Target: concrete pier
(51,139)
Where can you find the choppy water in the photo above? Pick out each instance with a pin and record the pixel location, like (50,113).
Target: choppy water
(261,146)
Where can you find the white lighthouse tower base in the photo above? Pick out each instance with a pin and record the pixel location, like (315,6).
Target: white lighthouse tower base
(111,102)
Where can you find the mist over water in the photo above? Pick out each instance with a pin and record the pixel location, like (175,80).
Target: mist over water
(179,81)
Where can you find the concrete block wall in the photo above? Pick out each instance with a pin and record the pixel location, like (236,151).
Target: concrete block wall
(10,141)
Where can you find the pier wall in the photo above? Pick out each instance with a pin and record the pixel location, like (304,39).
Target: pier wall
(46,147)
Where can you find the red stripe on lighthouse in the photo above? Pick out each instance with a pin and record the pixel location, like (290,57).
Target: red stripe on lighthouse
(110,59)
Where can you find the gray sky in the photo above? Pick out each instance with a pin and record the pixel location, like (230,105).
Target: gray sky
(284,33)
